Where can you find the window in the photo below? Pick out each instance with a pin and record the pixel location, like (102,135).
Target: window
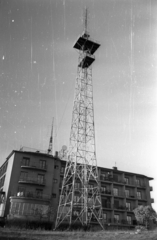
(103,189)
(127,193)
(139,195)
(62,197)
(90,186)
(26,161)
(17,207)
(89,214)
(129,219)
(77,185)
(53,195)
(115,191)
(29,194)
(21,208)
(62,169)
(3,179)
(21,191)
(106,203)
(56,167)
(103,176)
(42,164)
(5,166)
(76,198)
(104,217)
(2,197)
(67,187)
(23,175)
(40,179)
(126,180)
(75,213)
(128,206)
(3,169)
(39,193)
(12,207)
(25,208)
(115,177)
(54,180)
(137,182)
(116,218)
(90,201)
(116,204)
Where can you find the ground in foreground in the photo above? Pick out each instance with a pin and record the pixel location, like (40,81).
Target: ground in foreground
(10,234)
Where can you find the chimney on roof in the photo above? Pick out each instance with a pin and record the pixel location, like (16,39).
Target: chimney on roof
(56,154)
(115,168)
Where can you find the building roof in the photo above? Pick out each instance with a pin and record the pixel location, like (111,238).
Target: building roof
(39,153)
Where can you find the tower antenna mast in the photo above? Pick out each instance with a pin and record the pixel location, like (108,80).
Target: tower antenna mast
(86,18)
(80,199)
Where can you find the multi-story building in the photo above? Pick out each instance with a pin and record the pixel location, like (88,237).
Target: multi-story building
(30,185)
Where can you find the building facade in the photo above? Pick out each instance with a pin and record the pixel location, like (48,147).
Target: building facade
(31,181)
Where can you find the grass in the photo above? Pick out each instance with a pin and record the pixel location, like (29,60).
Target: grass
(12,234)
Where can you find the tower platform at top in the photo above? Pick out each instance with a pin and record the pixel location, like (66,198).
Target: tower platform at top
(84,43)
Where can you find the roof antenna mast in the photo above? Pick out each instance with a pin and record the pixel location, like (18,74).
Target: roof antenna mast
(50,149)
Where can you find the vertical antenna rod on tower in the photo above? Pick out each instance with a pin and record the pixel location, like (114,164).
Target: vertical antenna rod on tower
(86,18)
(80,199)
(50,148)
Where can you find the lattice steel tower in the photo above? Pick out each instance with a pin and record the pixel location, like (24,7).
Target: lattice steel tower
(80,199)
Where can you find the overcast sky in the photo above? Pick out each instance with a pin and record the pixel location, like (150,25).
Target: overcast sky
(38,68)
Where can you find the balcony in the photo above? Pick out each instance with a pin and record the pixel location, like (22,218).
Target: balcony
(130,183)
(134,184)
(120,208)
(35,167)
(105,192)
(118,181)
(119,194)
(31,180)
(150,188)
(108,178)
(107,205)
(31,195)
(140,185)
(131,196)
(152,200)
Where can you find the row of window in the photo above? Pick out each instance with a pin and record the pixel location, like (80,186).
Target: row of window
(116,217)
(33,193)
(127,193)
(117,178)
(26,162)
(106,203)
(39,178)
(3,169)
(22,191)
(117,192)
(28,209)
(42,164)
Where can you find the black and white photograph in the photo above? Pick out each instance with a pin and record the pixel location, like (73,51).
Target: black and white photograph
(78,119)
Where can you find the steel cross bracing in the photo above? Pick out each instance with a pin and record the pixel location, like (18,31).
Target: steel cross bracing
(80,199)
